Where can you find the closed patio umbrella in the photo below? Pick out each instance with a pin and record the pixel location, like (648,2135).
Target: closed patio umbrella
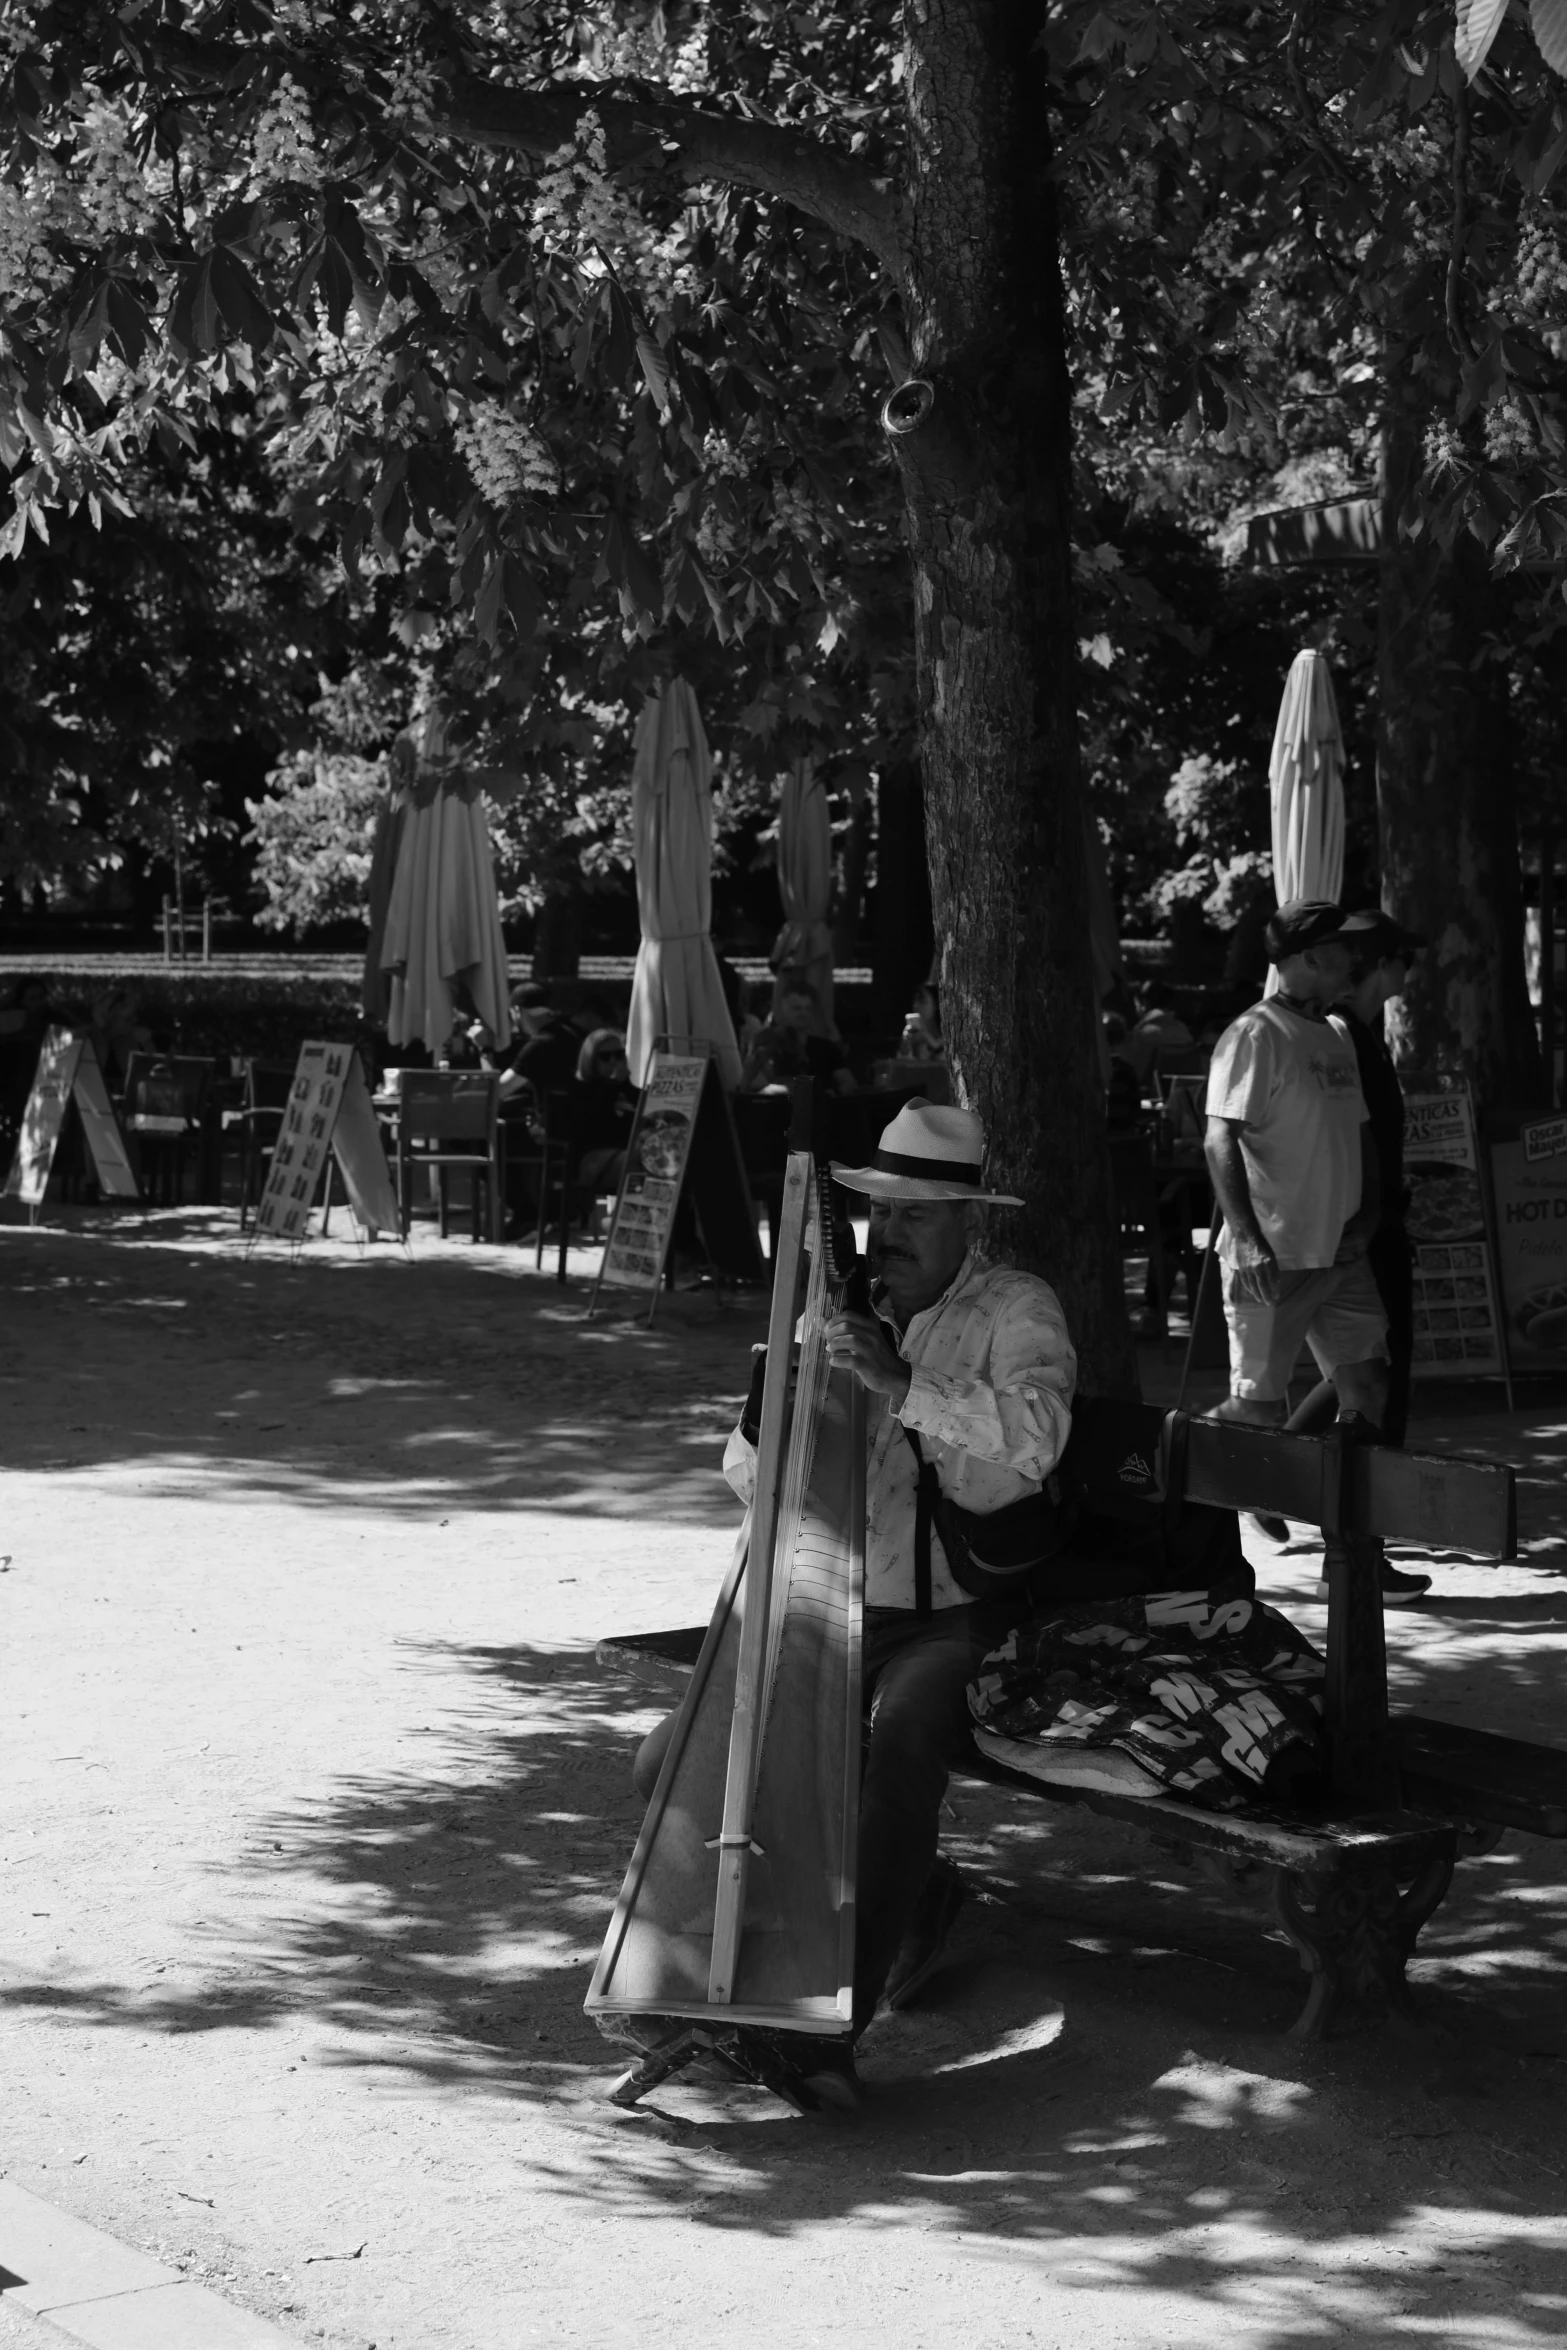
(803,947)
(376,987)
(676,990)
(1306,788)
(1306,781)
(443,920)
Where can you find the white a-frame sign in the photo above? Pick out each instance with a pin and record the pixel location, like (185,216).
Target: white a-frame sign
(329,1116)
(69,1072)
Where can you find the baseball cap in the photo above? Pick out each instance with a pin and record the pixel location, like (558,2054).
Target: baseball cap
(1301,923)
(1372,932)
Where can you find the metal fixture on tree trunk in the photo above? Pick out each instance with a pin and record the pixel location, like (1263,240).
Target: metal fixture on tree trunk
(906,409)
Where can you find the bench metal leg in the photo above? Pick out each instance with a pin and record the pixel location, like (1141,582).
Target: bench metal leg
(1355,1931)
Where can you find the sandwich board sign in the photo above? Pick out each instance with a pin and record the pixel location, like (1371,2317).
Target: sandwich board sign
(683,1143)
(69,1073)
(1458,1324)
(1529,1171)
(329,1116)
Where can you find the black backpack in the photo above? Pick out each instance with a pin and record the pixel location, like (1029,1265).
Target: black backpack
(1126,1529)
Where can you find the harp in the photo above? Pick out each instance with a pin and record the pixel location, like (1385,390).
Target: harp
(738,1906)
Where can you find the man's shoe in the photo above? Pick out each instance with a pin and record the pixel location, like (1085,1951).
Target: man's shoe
(919,1953)
(812,2075)
(1398,1589)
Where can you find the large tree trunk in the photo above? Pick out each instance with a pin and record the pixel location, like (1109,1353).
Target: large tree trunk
(987,487)
(902,936)
(1446,805)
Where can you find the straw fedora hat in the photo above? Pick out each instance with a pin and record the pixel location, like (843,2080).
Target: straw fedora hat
(928,1152)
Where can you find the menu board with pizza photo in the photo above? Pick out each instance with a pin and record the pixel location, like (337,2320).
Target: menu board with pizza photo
(1457,1326)
(656,1155)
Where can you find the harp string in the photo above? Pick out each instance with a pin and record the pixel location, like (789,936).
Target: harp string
(804,1428)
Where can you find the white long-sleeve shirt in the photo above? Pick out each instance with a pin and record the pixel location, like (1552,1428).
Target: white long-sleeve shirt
(991,1403)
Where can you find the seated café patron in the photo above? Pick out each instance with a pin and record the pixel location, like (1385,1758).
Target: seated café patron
(604,1105)
(797,1042)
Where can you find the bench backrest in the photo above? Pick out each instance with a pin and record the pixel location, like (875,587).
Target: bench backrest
(1359,1495)
(1443,1500)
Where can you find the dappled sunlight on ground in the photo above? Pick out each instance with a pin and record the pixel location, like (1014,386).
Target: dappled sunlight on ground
(366,1375)
(323,1804)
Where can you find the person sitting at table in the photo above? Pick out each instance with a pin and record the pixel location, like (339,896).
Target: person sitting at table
(1123,1093)
(117,1030)
(757,1004)
(797,1042)
(463,1046)
(1160,1030)
(546,1058)
(922,1039)
(604,1102)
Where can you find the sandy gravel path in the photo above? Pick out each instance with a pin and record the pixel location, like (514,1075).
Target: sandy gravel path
(314,1803)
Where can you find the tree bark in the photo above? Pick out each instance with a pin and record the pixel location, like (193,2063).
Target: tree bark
(902,935)
(987,481)
(1446,804)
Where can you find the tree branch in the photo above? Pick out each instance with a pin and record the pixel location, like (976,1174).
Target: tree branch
(689,139)
(697,144)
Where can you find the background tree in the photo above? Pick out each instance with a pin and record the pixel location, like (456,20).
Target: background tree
(571,323)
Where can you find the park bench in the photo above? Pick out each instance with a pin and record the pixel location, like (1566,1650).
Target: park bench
(1353,1886)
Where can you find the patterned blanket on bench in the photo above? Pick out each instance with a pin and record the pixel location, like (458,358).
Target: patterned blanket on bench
(1217,1701)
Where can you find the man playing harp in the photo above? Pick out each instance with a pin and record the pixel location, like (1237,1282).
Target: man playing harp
(968,1372)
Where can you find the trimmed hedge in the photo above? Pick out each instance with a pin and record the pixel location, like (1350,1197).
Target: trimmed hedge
(229,1016)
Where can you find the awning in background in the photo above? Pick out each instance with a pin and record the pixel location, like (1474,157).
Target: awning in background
(676,990)
(803,948)
(443,917)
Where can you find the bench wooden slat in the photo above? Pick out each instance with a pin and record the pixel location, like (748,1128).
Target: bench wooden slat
(1478,1774)
(1443,1500)
(1446,1503)
(1238,1468)
(1311,1847)
(665,1659)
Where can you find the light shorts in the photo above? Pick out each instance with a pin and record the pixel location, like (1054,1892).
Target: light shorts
(1336,1309)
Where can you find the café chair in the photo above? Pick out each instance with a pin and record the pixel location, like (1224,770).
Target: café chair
(259,1119)
(450,1118)
(168,1117)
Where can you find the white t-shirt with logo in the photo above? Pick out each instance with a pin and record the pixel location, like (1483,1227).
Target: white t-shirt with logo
(1294,1084)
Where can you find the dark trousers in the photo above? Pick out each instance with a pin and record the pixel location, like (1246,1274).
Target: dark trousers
(917,1671)
(1392,1261)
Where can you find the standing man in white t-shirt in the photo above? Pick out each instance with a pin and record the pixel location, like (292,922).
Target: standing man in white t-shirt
(1287,1148)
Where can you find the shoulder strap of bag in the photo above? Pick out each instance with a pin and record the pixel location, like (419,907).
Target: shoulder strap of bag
(925,1493)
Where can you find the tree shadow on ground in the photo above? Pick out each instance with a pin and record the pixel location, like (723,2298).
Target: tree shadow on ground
(365,1380)
(1105,2081)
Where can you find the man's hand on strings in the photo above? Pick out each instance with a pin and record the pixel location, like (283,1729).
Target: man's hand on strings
(862,1344)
